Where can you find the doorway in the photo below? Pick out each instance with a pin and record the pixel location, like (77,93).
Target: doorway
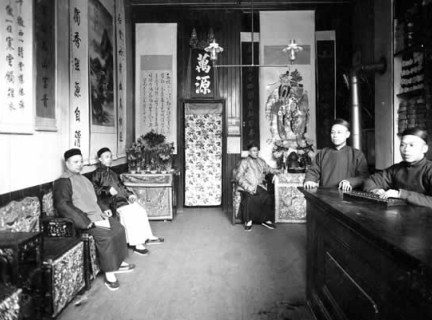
(203,153)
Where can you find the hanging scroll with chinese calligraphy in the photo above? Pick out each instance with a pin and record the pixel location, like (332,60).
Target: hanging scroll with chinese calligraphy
(45,65)
(16,51)
(202,82)
(121,78)
(79,99)
(250,95)
(156,79)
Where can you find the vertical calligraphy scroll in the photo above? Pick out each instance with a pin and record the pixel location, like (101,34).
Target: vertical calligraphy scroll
(121,78)
(16,51)
(250,93)
(156,93)
(79,99)
(156,79)
(202,73)
(45,65)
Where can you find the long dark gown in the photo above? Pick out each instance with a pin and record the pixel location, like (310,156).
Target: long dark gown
(75,198)
(257,204)
(258,207)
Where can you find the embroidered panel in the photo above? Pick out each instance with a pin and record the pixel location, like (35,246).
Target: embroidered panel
(203,158)
(156,201)
(67,277)
(48,204)
(290,204)
(20,216)
(10,307)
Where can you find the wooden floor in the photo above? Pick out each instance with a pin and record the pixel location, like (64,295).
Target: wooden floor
(207,269)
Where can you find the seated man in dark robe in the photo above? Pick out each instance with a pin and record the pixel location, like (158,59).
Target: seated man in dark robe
(257,205)
(410,179)
(75,198)
(340,166)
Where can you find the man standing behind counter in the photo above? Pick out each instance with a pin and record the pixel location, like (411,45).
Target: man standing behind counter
(410,179)
(340,166)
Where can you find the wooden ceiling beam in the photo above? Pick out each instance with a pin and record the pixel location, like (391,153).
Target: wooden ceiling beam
(234,4)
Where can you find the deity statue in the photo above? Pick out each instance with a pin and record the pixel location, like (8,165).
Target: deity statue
(287,109)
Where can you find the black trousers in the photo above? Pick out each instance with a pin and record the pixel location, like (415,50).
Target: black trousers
(258,207)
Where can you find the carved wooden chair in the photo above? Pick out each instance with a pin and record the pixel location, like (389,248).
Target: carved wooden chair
(64,254)
(56,227)
(237,195)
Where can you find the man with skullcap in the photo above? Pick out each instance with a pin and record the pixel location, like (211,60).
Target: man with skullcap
(114,196)
(410,179)
(75,198)
(340,166)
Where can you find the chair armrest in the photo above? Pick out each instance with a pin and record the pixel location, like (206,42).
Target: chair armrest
(233,183)
(55,227)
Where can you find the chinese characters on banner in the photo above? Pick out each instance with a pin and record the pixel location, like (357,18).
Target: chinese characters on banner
(250,93)
(16,109)
(121,78)
(45,64)
(202,75)
(156,93)
(79,100)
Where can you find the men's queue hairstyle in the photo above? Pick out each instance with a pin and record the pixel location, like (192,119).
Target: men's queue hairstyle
(342,122)
(252,145)
(416,131)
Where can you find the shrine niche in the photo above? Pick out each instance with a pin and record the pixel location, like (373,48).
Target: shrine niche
(287,110)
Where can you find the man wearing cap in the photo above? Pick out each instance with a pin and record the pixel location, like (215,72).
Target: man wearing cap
(340,166)
(113,195)
(257,205)
(75,198)
(410,179)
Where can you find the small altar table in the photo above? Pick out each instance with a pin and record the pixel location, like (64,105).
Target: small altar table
(155,192)
(290,203)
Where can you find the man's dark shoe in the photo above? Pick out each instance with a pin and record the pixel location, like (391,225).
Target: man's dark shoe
(150,242)
(269,225)
(113,286)
(141,252)
(125,269)
(248,228)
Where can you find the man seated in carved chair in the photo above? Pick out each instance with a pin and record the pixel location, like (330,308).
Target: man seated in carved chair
(75,198)
(257,204)
(114,197)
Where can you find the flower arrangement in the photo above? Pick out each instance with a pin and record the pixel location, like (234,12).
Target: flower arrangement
(306,152)
(303,148)
(154,152)
(280,151)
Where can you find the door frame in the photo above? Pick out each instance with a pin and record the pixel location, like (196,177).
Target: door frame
(181,146)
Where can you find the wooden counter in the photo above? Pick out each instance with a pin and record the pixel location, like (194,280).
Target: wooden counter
(366,261)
